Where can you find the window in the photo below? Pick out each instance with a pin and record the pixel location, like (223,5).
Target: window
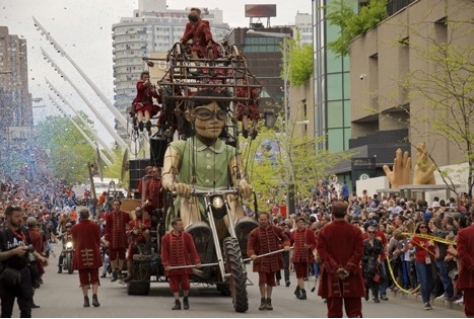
(334,87)
(335,140)
(335,113)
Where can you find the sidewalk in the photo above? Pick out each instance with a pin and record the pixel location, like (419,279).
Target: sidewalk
(417,298)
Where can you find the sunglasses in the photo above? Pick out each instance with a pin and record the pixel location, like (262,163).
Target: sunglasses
(206,114)
(423,227)
(370,232)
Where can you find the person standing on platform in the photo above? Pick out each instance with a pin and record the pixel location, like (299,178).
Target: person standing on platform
(154,192)
(340,247)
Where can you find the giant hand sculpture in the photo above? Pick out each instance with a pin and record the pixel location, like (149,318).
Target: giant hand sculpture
(424,168)
(400,173)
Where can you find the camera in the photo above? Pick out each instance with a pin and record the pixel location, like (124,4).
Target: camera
(362,76)
(30,249)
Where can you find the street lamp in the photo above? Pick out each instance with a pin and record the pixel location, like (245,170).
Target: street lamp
(283,36)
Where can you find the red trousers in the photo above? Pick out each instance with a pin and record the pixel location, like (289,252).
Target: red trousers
(89,276)
(266,278)
(175,281)
(469,302)
(353,307)
(301,270)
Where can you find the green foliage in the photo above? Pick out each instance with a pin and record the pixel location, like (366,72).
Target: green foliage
(69,152)
(341,13)
(293,159)
(299,61)
(449,92)
(115,170)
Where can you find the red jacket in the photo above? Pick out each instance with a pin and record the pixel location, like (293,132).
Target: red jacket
(154,193)
(141,225)
(340,244)
(115,229)
(262,241)
(86,238)
(465,241)
(298,239)
(178,251)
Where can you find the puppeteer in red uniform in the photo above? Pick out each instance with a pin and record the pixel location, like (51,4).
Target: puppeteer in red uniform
(116,223)
(262,240)
(340,247)
(303,241)
(465,245)
(154,191)
(143,104)
(177,250)
(199,31)
(139,233)
(248,110)
(87,259)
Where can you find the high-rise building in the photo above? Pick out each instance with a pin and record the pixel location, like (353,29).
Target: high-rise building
(15,99)
(331,84)
(152,29)
(303,24)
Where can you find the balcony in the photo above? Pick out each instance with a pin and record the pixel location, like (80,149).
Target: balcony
(393,6)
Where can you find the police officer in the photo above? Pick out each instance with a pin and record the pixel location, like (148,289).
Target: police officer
(14,253)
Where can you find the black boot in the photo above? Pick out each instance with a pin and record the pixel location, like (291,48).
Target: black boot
(302,295)
(297,292)
(269,304)
(60,270)
(86,302)
(95,301)
(185,303)
(115,275)
(148,127)
(141,126)
(263,304)
(177,305)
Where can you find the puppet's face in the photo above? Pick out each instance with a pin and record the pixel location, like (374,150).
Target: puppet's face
(209,120)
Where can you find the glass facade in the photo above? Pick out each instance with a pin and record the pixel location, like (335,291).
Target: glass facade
(332,86)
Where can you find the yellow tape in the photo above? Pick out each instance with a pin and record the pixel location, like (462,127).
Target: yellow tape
(433,238)
(390,270)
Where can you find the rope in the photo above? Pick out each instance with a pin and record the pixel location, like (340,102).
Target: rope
(431,237)
(390,270)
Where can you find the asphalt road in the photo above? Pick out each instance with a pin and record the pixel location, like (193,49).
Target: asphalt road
(61,297)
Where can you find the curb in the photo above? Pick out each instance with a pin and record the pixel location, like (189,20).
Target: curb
(417,298)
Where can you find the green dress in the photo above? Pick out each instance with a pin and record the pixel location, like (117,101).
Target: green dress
(209,164)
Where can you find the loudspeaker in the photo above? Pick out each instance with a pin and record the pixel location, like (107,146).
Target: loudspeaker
(158,147)
(136,169)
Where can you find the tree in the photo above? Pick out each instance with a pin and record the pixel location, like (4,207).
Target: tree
(300,61)
(115,170)
(343,14)
(69,152)
(278,162)
(447,87)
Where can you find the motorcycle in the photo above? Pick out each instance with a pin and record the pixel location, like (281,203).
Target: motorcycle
(68,253)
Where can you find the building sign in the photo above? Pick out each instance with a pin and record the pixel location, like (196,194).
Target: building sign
(363,168)
(260,10)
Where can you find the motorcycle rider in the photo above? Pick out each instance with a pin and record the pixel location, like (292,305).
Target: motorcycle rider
(67,236)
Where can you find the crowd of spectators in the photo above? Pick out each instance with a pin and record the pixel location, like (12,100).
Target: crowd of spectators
(409,261)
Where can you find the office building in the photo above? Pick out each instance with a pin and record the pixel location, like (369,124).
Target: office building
(152,29)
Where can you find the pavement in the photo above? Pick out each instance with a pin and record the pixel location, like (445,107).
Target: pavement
(417,298)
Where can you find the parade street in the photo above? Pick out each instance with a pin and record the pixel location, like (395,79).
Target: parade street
(61,297)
